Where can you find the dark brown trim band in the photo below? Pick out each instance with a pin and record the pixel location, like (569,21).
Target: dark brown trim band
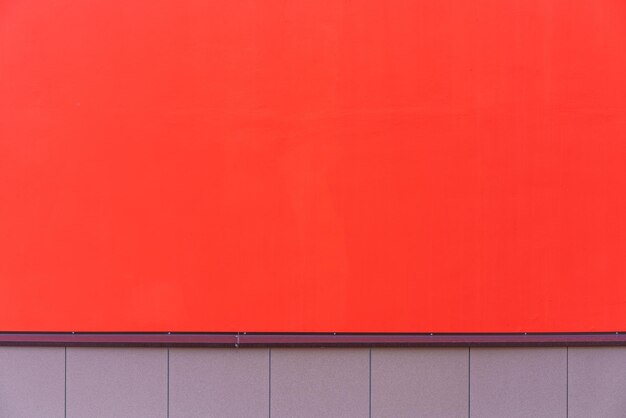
(308,340)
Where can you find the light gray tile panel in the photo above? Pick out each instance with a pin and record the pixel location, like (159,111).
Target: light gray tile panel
(32,382)
(320,383)
(597,382)
(518,382)
(219,382)
(116,382)
(420,382)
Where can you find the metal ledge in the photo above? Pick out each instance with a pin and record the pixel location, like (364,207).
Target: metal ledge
(243,340)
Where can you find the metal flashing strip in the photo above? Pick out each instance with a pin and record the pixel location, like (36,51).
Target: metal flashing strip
(242,340)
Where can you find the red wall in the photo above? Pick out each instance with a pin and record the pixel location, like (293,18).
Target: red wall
(414,166)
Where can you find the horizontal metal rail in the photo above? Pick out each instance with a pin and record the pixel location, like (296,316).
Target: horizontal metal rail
(309,340)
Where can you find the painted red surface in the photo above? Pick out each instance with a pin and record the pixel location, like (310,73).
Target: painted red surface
(413,166)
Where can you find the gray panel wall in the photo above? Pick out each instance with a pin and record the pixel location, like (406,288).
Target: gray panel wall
(333,382)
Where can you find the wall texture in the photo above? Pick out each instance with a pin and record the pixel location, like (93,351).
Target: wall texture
(385,382)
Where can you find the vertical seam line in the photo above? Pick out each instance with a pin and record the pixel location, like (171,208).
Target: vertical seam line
(168,382)
(65,387)
(370,385)
(269,391)
(567,381)
(469,382)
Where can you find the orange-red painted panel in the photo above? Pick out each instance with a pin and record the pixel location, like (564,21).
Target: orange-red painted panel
(379,166)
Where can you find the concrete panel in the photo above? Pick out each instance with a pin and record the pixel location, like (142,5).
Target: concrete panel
(597,382)
(219,383)
(319,383)
(32,382)
(420,382)
(518,382)
(116,382)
